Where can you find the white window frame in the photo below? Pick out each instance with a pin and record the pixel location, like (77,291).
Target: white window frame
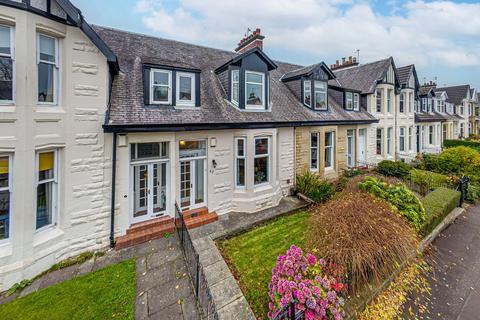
(169,86)
(9,188)
(356,102)
(349,99)
(332,154)
(309,91)
(11,56)
(401,137)
(256,156)
(379,139)
(254,106)
(55,188)
(319,90)
(185,103)
(410,102)
(56,73)
(318,151)
(431,137)
(237,82)
(389,100)
(389,140)
(410,137)
(239,157)
(379,98)
(401,105)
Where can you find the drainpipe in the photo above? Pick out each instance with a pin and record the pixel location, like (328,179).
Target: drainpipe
(112,200)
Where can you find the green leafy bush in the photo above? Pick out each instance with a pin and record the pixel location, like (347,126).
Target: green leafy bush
(466,143)
(422,181)
(399,196)
(428,162)
(459,160)
(314,187)
(473,192)
(393,168)
(438,204)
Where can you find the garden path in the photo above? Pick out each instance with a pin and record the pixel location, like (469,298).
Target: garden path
(455,276)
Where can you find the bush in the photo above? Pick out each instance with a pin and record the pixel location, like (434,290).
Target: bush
(362,235)
(393,169)
(428,162)
(398,195)
(473,192)
(459,161)
(423,182)
(311,284)
(438,204)
(466,143)
(314,187)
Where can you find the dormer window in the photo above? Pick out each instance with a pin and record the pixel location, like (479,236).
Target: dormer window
(349,101)
(356,102)
(307,93)
(254,90)
(160,87)
(185,89)
(235,86)
(320,95)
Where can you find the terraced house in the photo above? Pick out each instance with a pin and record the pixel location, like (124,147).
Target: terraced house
(106,135)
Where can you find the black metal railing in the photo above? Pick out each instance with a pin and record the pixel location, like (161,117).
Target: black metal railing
(195,268)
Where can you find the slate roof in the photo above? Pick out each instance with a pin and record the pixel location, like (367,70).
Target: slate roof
(456,93)
(425,89)
(403,74)
(307,71)
(364,77)
(127,103)
(429,117)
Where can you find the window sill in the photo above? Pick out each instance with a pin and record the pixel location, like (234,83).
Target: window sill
(262,187)
(43,236)
(7,108)
(6,248)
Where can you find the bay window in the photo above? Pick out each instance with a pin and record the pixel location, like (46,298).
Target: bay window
(48,66)
(389,100)
(402,102)
(389,140)
(401,136)
(379,101)
(235,86)
(410,138)
(185,94)
(240,159)
(160,86)
(320,94)
(329,150)
(307,92)
(314,139)
(5,196)
(7,80)
(430,135)
(410,102)
(261,160)
(254,90)
(47,189)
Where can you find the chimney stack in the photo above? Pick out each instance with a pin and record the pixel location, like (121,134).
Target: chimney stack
(350,62)
(250,41)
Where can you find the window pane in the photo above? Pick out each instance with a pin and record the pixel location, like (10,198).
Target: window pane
(5,40)
(46,165)
(240,147)
(45,82)
(261,146)
(254,94)
(160,93)
(44,204)
(160,78)
(192,148)
(253,77)
(4,214)
(235,75)
(314,140)
(47,49)
(6,76)
(241,172)
(320,100)
(148,150)
(261,170)
(320,85)
(185,90)
(4,167)
(307,93)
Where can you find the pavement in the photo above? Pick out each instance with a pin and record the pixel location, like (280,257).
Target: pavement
(455,276)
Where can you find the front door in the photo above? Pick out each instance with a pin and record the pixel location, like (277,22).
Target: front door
(362,157)
(351,148)
(149,191)
(193,174)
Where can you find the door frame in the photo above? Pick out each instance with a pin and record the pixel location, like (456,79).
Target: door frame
(364,141)
(150,214)
(192,161)
(352,153)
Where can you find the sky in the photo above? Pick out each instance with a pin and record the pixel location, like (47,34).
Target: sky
(442,38)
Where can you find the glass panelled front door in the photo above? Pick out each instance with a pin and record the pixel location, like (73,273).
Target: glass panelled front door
(150,176)
(192,174)
(350,148)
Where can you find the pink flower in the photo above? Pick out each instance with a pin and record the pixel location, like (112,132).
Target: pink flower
(312,260)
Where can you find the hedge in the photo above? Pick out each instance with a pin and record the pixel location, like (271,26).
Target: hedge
(466,143)
(438,204)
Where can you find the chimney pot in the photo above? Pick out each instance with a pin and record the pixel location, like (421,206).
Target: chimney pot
(343,60)
(250,41)
(350,59)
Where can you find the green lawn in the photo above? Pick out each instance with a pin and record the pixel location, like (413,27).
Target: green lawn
(252,255)
(108,293)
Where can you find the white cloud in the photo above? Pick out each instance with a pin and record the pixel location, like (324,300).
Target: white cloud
(424,33)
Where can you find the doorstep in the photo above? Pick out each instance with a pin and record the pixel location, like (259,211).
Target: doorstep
(145,231)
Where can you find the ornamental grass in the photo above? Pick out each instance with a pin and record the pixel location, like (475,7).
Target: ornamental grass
(363,235)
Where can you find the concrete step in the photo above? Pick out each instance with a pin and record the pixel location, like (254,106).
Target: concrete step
(141,236)
(195,212)
(145,225)
(196,222)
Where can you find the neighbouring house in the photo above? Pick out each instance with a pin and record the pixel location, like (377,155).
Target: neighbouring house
(379,87)
(450,128)
(459,96)
(217,131)
(428,121)
(54,156)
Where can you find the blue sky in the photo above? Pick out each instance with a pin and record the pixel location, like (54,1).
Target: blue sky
(442,38)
